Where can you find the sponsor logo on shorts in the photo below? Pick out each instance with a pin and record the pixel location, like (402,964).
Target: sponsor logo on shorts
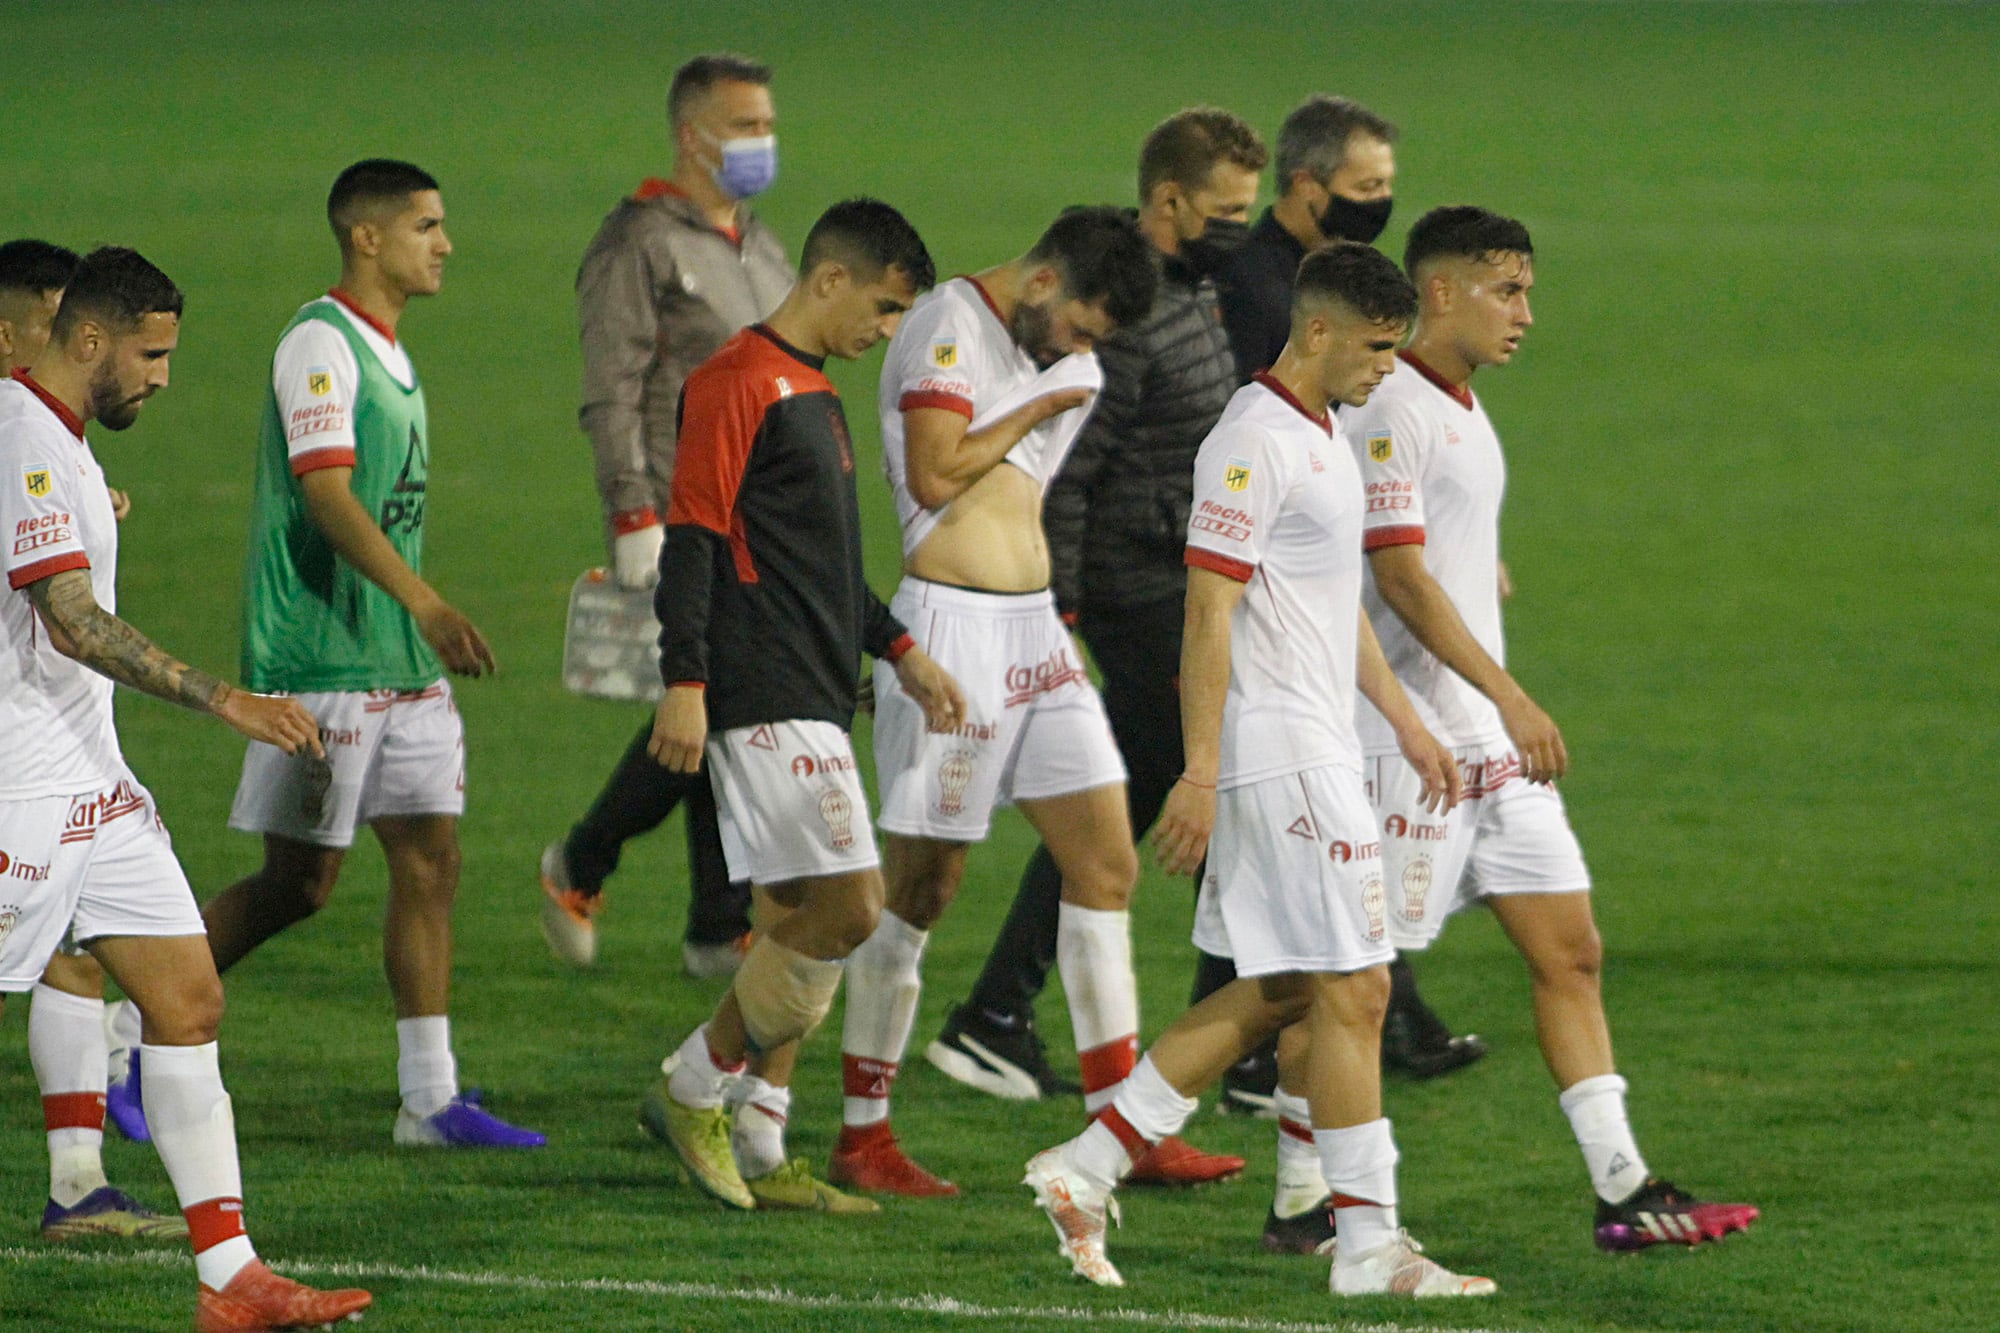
(1381,447)
(37,481)
(1489,776)
(12,867)
(340,735)
(978,731)
(1374,904)
(806,765)
(763,738)
(9,914)
(319,380)
(1234,524)
(944,353)
(1236,474)
(1416,887)
(954,776)
(87,813)
(1054,672)
(1398,827)
(1302,827)
(1342,852)
(838,812)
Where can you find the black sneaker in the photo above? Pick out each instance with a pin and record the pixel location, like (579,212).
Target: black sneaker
(1006,1062)
(1311,1232)
(1658,1214)
(1251,1085)
(1416,1042)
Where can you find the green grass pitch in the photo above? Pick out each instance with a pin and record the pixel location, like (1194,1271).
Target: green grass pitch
(1753,528)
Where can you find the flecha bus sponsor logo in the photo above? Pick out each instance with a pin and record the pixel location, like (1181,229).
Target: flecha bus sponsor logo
(1223,521)
(315,419)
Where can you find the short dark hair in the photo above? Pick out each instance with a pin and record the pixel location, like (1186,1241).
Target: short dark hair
(1314,137)
(1464,232)
(1102,256)
(870,238)
(35,266)
(118,288)
(702,73)
(367,183)
(1187,146)
(1358,276)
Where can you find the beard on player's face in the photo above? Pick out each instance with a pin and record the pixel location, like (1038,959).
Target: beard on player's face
(1033,329)
(112,405)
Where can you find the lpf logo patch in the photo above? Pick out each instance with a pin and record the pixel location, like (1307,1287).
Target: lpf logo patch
(1416,887)
(838,812)
(319,381)
(944,353)
(37,481)
(954,776)
(1381,448)
(1372,902)
(1236,474)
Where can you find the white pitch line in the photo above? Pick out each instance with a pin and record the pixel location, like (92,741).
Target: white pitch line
(944,1306)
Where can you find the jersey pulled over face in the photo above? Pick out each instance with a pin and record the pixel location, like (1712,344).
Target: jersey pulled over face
(56,729)
(1435,478)
(953,352)
(1277,506)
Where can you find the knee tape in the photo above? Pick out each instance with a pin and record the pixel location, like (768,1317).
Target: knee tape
(783,995)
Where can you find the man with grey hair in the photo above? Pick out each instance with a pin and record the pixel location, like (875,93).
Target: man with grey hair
(1336,173)
(675,271)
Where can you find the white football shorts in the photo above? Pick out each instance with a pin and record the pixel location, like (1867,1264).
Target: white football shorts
(85,867)
(1507,835)
(390,752)
(1294,880)
(789,802)
(1034,725)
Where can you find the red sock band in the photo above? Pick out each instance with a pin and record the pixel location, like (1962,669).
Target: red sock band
(720,1063)
(1130,1139)
(213,1221)
(1349,1201)
(863,1077)
(73,1110)
(1106,1066)
(1295,1130)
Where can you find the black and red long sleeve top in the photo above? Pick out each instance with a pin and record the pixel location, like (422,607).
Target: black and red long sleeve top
(762,597)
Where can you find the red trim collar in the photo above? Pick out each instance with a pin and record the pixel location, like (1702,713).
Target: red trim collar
(1460,394)
(1323,420)
(348,303)
(69,419)
(987,297)
(655,187)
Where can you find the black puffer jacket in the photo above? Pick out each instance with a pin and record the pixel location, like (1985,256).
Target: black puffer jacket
(1117,514)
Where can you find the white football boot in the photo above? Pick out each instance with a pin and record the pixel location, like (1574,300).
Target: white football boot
(1400,1269)
(1079,1209)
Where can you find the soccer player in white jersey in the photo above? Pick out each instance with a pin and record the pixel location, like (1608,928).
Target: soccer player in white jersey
(336,611)
(983,390)
(82,848)
(67,1041)
(1275,647)
(1434,474)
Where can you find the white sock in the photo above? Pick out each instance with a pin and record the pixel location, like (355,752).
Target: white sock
(66,1048)
(1596,1111)
(884,979)
(1301,1183)
(1100,1155)
(121,1034)
(1150,1105)
(1094,957)
(1360,1165)
(758,1135)
(426,1072)
(697,1080)
(194,1131)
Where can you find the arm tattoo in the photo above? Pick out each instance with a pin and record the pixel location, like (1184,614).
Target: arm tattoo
(106,644)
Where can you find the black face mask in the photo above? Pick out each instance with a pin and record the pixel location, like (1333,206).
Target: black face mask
(1220,238)
(1350,220)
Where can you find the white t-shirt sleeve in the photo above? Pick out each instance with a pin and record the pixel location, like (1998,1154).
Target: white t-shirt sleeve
(936,370)
(1391,446)
(41,512)
(317,381)
(1240,483)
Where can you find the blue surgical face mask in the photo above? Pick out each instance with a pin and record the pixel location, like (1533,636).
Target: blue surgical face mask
(748,165)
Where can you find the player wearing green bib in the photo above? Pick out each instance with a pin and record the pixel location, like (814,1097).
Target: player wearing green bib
(336,611)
